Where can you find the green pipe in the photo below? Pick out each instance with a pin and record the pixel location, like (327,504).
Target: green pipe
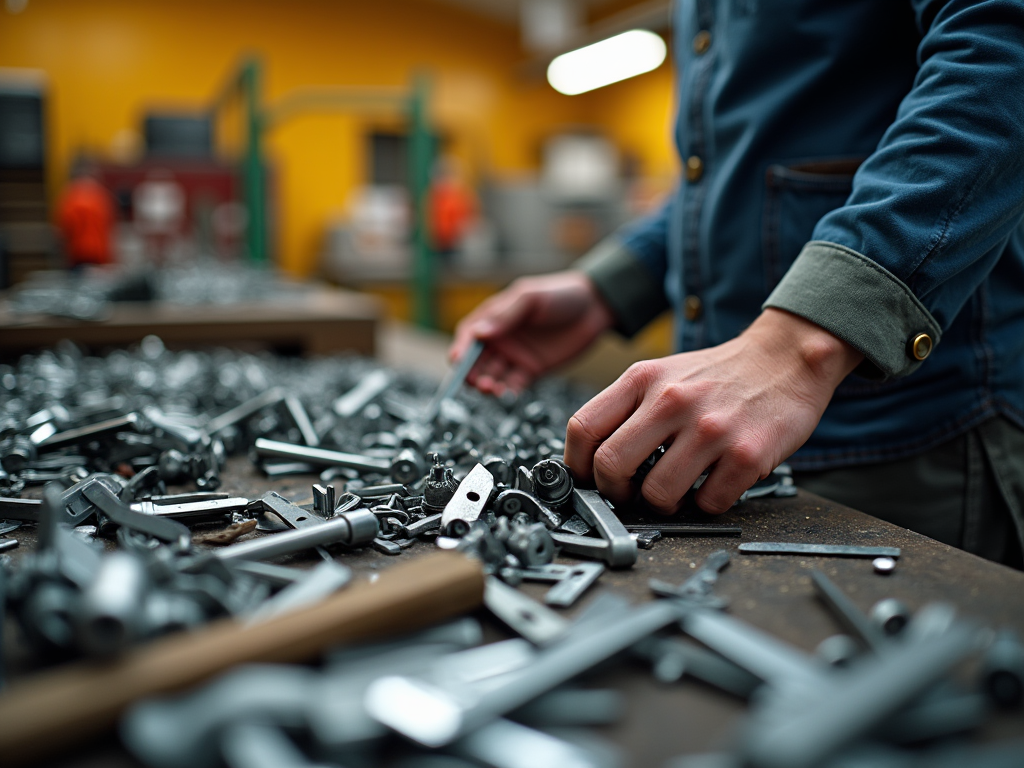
(420,165)
(252,173)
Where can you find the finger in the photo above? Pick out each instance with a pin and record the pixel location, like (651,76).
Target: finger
(508,311)
(741,465)
(664,414)
(675,473)
(482,374)
(492,374)
(481,319)
(478,367)
(592,424)
(518,379)
(518,354)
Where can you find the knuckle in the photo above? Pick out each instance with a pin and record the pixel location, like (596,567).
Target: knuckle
(522,286)
(657,495)
(713,504)
(710,428)
(746,455)
(577,430)
(640,374)
(608,463)
(671,399)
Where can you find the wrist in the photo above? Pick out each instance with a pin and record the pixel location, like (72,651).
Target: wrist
(601,312)
(824,356)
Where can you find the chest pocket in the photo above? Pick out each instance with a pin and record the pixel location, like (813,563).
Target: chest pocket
(796,197)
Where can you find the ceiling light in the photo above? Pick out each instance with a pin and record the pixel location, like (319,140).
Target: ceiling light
(608,61)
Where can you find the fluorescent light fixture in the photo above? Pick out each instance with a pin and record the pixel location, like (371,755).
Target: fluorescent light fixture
(608,61)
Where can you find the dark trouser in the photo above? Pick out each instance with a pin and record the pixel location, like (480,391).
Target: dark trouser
(968,493)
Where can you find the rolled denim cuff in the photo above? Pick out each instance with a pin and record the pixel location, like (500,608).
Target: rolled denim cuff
(862,303)
(628,288)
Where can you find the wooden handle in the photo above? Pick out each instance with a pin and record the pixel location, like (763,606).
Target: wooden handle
(52,710)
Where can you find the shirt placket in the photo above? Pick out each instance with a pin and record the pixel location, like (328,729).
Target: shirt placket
(695,172)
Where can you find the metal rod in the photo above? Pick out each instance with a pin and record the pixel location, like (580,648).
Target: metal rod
(320,456)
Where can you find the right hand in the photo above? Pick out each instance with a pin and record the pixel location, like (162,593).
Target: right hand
(531,327)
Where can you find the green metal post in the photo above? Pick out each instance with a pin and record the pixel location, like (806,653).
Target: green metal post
(420,165)
(255,188)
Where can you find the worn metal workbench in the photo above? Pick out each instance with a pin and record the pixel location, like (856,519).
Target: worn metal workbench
(322,322)
(771,592)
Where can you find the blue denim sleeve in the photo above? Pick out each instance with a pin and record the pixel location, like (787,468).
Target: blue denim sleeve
(933,207)
(628,269)
(647,240)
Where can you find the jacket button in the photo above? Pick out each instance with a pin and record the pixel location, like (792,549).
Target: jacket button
(921,346)
(692,307)
(694,168)
(701,42)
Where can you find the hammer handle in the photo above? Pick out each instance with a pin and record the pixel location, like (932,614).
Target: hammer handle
(52,710)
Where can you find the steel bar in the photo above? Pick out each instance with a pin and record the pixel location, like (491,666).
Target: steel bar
(435,717)
(350,528)
(320,456)
(689,529)
(26,510)
(847,613)
(848,705)
(250,407)
(301,419)
(80,435)
(833,550)
(454,380)
(746,646)
(357,398)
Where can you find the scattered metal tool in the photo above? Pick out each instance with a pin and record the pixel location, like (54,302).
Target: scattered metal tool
(528,618)
(615,547)
(320,456)
(469,501)
(825,550)
(433,716)
(688,529)
(697,590)
(847,613)
(571,581)
(453,380)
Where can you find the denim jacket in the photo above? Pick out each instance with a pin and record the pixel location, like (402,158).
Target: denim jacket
(859,163)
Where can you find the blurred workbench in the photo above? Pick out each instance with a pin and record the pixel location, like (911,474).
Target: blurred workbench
(771,592)
(319,322)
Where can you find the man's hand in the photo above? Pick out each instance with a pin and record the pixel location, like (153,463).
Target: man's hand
(739,408)
(534,325)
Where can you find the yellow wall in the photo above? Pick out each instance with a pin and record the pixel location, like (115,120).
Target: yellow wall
(107,60)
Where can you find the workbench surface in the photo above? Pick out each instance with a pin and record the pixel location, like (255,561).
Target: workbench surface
(319,322)
(773,592)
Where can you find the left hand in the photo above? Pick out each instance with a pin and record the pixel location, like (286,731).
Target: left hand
(739,408)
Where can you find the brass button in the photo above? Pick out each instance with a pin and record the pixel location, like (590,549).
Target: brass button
(702,42)
(921,346)
(692,307)
(694,168)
